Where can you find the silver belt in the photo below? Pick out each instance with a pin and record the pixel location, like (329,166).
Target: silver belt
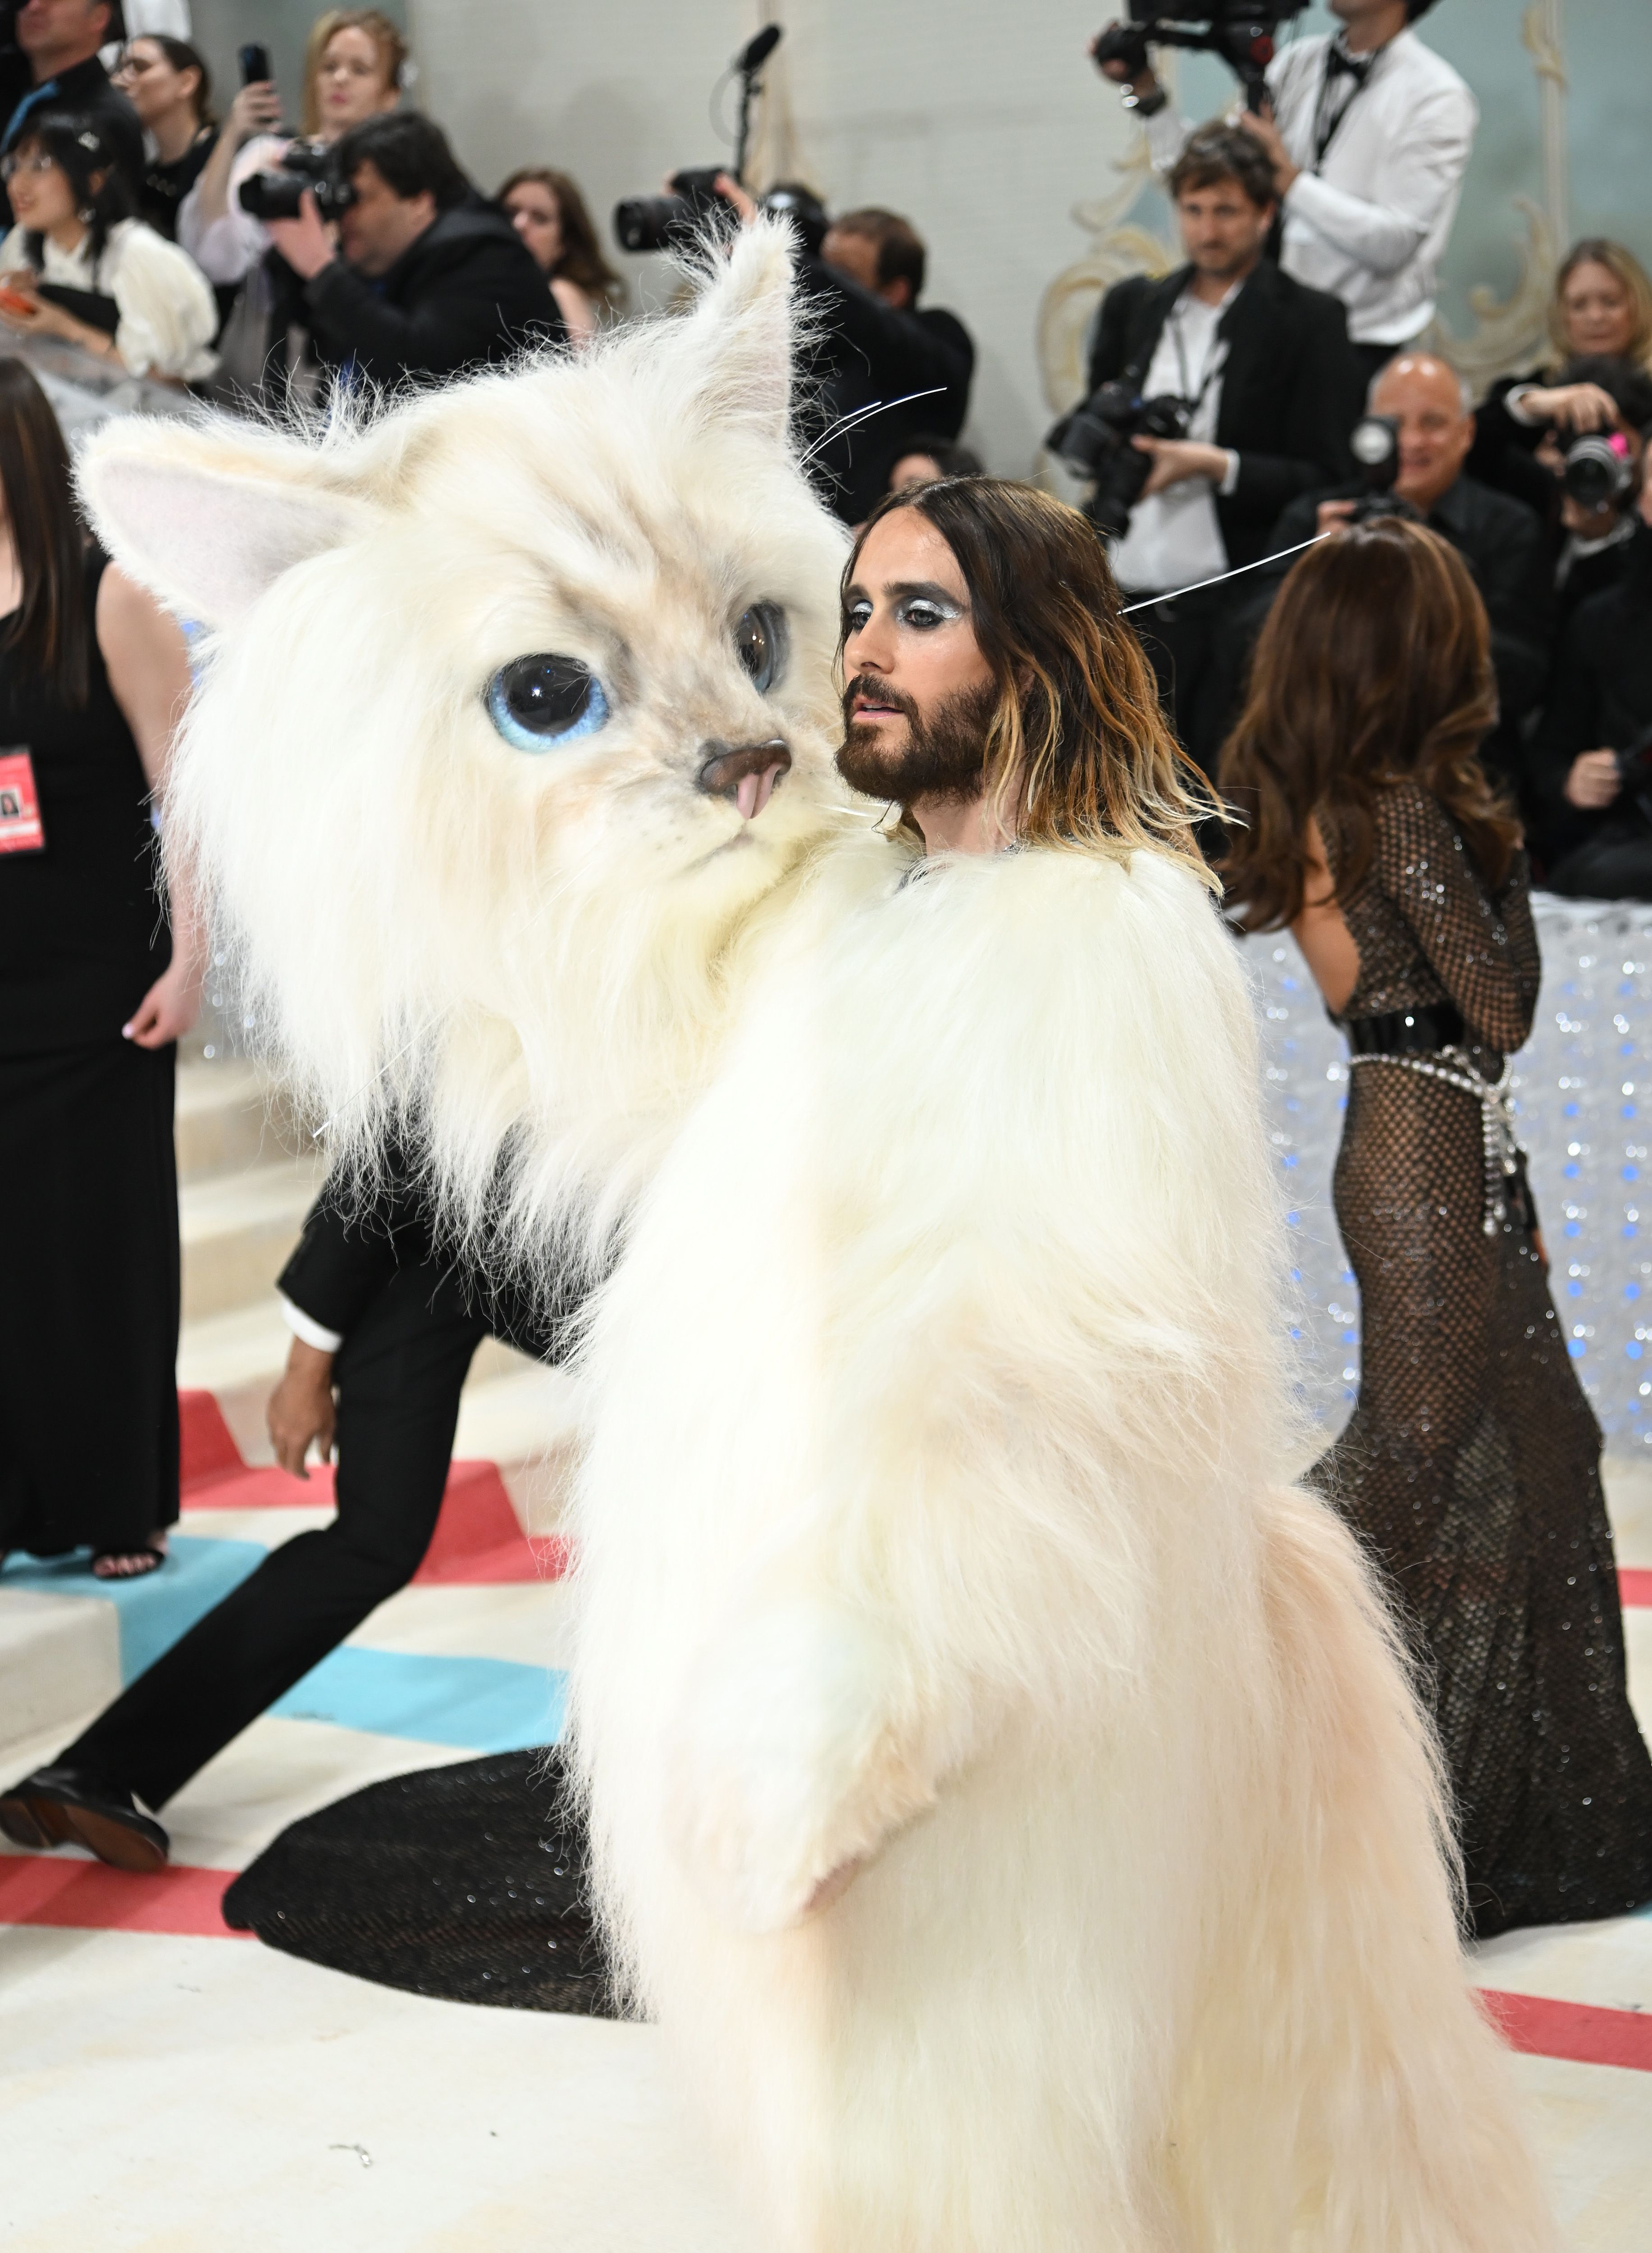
(1502,1152)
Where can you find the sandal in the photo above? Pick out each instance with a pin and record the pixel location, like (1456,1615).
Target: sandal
(129,1563)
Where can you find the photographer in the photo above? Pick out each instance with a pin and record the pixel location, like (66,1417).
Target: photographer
(1269,390)
(425,279)
(1502,541)
(49,60)
(872,343)
(1369,133)
(354,64)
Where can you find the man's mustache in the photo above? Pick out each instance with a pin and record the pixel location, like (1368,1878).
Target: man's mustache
(878,692)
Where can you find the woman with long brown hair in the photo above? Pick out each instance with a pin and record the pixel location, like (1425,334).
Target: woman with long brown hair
(102,977)
(549,214)
(1470,1465)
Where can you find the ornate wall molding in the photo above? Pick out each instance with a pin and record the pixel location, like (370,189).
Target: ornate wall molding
(1510,332)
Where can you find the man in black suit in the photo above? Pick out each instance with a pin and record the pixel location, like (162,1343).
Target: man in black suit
(1499,538)
(386,1319)
(49,60)
(1271,389)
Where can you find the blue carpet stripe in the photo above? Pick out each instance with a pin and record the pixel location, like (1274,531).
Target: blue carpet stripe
(476,1704)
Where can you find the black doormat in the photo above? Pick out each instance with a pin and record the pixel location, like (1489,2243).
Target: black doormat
(466,1882)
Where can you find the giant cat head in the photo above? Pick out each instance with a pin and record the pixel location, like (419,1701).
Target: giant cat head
(518,708)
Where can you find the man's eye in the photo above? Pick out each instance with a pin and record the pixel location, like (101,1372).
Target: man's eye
(760,643)
(538,702)
(856,617)
(924,616)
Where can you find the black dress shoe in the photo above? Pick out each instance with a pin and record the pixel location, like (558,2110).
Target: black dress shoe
(59,1806)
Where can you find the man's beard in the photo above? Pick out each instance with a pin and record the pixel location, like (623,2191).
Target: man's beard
(942,757)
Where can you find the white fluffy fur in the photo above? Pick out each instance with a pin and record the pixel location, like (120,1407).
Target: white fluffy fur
(1004,1785)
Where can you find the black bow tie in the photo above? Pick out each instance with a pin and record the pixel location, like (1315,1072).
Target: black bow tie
(1339,63)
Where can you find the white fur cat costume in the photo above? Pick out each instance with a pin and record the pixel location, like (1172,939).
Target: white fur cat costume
(1004,1790)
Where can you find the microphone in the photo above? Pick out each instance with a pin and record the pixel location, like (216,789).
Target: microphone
(756,52)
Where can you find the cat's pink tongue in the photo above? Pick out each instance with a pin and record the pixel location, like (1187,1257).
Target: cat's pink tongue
(753,791)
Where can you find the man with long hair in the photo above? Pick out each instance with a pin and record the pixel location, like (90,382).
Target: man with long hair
(993,690)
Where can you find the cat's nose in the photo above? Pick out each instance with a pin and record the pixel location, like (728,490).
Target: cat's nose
(745,772)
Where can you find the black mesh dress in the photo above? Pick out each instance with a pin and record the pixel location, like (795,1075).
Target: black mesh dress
(1470,1467)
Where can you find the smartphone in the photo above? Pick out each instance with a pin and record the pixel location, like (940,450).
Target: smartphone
(254,64)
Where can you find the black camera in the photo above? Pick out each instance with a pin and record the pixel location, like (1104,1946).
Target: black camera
(672,221)
(1094,442)
(1374,443)
(275,194)
(1241,31)
(1599,471)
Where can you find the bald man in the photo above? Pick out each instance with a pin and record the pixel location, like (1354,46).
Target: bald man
(1500,538)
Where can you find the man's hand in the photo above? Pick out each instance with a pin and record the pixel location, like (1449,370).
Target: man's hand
(1594,780)
(731,192)
(1330,513)
(1573,406)
(1175,460)
(301,1410)
(1261,127)
(168,1009)
(306,242)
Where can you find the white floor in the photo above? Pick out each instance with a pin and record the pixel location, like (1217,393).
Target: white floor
(169,2094)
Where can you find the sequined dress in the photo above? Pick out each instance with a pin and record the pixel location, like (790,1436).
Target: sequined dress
(1471,1467)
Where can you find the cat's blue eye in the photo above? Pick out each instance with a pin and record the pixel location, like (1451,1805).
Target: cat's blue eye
(539,702)
(760,643)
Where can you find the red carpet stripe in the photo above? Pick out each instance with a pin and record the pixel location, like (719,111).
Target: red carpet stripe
(41,1889)
(1582,2033)
(1635,1584)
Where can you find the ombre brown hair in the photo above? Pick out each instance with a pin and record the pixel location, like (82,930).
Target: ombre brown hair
(1078,753)
(1374,668)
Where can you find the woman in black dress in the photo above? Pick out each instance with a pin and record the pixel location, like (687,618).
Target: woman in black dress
(1471,1465)
(100,978)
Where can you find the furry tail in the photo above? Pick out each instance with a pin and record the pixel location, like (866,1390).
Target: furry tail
(1406,2127)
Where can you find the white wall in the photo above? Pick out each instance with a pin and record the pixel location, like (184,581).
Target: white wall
(984,124)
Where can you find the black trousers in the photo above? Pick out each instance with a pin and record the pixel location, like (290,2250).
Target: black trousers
(398,1374)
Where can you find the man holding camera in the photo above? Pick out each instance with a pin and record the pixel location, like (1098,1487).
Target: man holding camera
(1268,390)
(1369,132)
(423,279)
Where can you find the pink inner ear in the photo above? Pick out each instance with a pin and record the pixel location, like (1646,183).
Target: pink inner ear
(207,542)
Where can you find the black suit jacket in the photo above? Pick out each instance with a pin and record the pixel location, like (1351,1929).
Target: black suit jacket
(467,294)
(1600,699)
(353,1245)
(867,351)
(1291,387)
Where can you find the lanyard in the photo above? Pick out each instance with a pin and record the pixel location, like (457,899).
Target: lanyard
(1216,353)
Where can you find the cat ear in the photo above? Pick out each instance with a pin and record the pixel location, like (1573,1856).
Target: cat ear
(743,330)
(208,518)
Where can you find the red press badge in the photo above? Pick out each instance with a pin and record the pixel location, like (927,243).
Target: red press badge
(21,829)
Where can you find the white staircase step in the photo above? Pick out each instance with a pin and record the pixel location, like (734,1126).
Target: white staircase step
(59,1658)
(229,1116)
(238,1230)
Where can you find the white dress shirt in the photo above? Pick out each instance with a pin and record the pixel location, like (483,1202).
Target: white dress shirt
(1175,537)
(1368,221)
